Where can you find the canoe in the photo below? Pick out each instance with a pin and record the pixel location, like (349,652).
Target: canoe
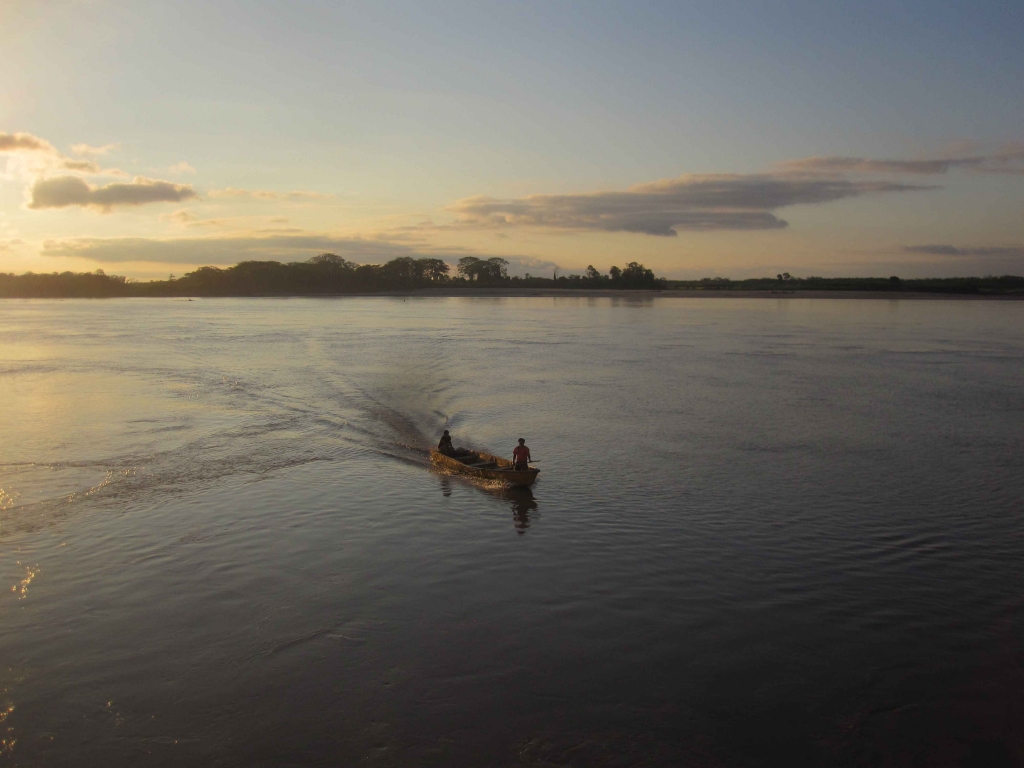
(485,466)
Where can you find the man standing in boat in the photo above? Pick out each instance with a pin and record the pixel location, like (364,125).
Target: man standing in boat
(521,456)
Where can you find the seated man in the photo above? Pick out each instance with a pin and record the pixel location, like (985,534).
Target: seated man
(445,446)
(521,456)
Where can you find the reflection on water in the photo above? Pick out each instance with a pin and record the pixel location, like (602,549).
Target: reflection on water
(522,502)
(520,498)
(769,528)
(522,505)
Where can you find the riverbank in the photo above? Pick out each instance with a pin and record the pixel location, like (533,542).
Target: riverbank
(329,275)
(692,294)
(583,293)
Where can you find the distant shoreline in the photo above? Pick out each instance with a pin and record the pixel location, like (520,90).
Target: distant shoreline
(330,275)
(519,293)
(694,294)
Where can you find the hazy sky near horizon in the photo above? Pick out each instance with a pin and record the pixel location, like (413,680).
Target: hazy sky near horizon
(701,138)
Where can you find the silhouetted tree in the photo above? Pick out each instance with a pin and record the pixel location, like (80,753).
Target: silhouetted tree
(491,270)
(497,269)
(332,261)
(434,270)
(638,276)
(469,267)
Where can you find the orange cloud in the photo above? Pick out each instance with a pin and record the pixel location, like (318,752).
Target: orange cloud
(25,142)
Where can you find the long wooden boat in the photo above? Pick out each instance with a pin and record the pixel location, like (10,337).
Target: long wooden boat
(486,466)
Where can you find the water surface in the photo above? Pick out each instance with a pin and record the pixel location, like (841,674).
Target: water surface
(784,528)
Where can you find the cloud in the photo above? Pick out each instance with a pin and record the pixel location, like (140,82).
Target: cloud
(305,195)
(25,142)
(1009,160)
(231,192)
(181,167)
(863,165)
(89,151)
(64,191)
(85,166)
(180,216)
(227,249)
(974,251)
(972,259)
(692,202)
(265,194)
(186,218)
(41,156)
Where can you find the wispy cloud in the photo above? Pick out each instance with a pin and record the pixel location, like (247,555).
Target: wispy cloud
(1012,251)
(228,249)
(90,151)
(182,167)
(300,194)
(1008,160)
(65,191)
(692,202)
(180,216)
(266,194)
(42,157)
(233,192)
(186,218)
(292,245)
(85,166)
(834,164)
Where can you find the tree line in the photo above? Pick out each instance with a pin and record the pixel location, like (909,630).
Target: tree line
(325,274)
(330,274)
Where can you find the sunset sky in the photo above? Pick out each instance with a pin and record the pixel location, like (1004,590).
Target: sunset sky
(702,139)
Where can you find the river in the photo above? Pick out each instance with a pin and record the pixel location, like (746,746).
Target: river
(763,530)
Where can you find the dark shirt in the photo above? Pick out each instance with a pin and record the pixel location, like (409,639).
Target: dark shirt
(445,446)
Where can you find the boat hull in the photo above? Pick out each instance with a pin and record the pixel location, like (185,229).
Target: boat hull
(495,467)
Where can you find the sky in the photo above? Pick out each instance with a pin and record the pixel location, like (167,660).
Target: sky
(702,139)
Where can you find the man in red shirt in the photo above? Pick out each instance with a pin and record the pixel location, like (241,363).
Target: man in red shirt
(521,456)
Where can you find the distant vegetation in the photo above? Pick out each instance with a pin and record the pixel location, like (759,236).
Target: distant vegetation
(63,285)
(1006,284)
(330,274)
(326,274)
